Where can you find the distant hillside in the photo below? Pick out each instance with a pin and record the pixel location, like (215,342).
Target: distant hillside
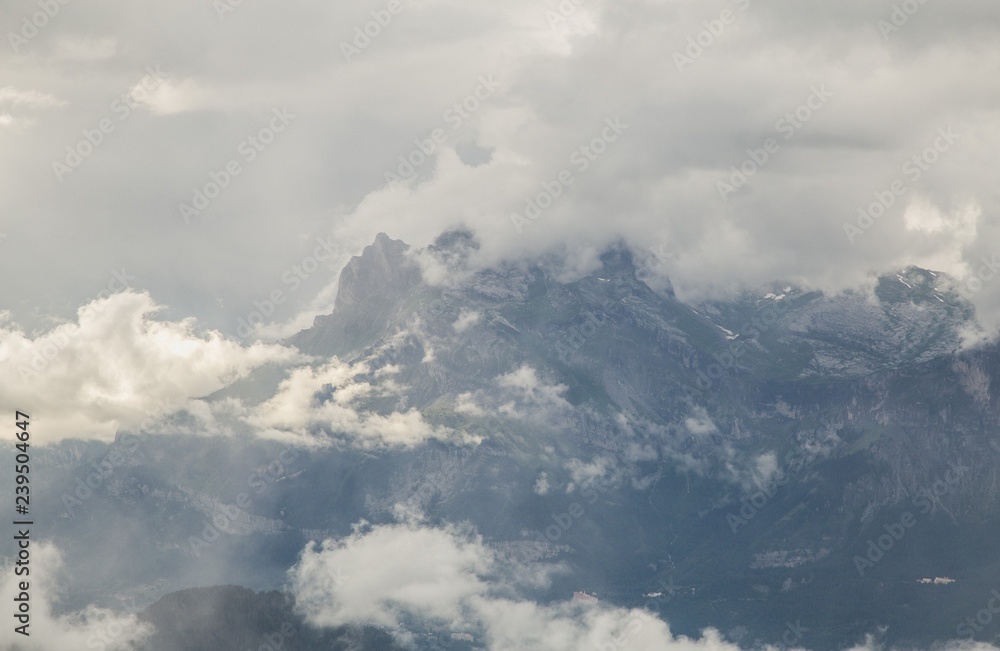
(231,618)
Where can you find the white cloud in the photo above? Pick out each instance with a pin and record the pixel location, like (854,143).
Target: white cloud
(295,410)
(542,484)
(465,403)
(116,366)
(86,49)
(388,570)
(531,395)
(450,577)
(559,83)
(11,96)
(766,467)
(700,422)
(93,627)
(600,469)
(15,122)
(514,625)
(466,320)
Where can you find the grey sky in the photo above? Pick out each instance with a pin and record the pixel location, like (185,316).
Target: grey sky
(546,87)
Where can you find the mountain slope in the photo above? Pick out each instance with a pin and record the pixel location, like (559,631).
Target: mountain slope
(733,459)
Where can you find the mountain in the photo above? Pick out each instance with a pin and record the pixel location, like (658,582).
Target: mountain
(779,459)
(863,404)
(372,288)
(231,618)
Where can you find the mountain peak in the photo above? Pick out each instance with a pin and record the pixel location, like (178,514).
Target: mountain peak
(381,264)
(618,261)
(371,288)
(917,285)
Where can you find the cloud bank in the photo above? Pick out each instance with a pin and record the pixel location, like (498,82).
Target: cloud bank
(458,584)
(116,366)
(741,141)
(97,628)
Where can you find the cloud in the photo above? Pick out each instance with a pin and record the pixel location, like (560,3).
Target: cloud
(465,320)
(559,81)
(116,366)
(794,207)
(466,404)
(331,397)
(11,96)
(542,484)
(700,423)
(461,584)
(85,49)
(600,469)
(766,467)
(95,627)
(384,578)
(531,395)
(511,625)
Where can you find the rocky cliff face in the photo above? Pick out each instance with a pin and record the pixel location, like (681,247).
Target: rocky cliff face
(371,289)
(759,439)
(747,454)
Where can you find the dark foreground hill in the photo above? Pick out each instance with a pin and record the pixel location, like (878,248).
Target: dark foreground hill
(231,618)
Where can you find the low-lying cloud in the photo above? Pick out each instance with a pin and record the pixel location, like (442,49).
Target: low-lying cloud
(449,578)
(327,399)
(116,366)
(92,627)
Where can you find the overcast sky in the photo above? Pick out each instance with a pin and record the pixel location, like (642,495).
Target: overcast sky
(666,95)
(209,153)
